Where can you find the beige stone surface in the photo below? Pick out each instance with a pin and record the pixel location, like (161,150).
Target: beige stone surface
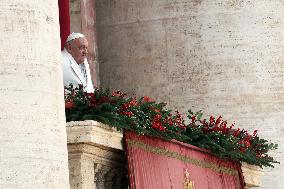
(33,150)
(94,132)
(252,175)
(221,56)
(96,156)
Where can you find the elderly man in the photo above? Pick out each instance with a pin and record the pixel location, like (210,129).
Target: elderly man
(75,65)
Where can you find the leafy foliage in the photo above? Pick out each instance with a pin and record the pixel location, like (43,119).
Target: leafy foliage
(145,116)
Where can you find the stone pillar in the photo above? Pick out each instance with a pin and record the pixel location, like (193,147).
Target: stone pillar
(96,156)
(221,56)
(83,19)
(33,150)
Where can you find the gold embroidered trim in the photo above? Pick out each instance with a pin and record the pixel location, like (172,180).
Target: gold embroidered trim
(187,183)
(171,154)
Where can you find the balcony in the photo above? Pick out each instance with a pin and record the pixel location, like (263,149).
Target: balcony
(97,159)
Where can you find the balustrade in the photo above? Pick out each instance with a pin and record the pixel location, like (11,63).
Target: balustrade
(97,159)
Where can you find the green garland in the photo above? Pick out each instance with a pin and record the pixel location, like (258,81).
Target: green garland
(146,117)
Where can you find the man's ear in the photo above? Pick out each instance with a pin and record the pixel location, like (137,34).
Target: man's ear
(68,46)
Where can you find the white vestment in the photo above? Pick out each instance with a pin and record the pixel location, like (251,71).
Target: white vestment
(72,73)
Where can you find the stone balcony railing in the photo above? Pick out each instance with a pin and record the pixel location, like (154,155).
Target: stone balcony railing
(97,159)
(252,175)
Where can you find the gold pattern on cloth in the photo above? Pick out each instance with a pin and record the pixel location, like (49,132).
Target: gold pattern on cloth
(188,184)
(176,155)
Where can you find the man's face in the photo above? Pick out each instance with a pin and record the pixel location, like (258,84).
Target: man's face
(78,48)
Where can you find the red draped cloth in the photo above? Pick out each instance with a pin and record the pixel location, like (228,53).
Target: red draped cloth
(64,20)
(157,164)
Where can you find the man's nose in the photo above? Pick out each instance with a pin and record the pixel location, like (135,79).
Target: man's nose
(85,51)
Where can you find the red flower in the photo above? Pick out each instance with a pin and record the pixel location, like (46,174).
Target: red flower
(211,120)
(242,149)
(169,120)
(247,143)
(90,94)
(147,99)
(179,120)
(237,132)
(258,155)
(93,101)
(254,133)
(156,123)
(224,127)
(127,113)
(232,126)
(157,117)
(69,104)
(133,102)
(104,99)
(129,104)
(218,120)
(118,94)
(205,129)
(193,119)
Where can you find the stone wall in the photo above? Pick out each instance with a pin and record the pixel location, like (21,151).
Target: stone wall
(33,150)
(221,56)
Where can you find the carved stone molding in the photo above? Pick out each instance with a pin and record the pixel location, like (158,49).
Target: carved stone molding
(96,156)
(252,175)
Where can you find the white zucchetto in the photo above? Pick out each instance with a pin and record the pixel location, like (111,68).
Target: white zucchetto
(73,36)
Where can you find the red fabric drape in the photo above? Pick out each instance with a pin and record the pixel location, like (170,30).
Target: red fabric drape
(157,164)
(64,20)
